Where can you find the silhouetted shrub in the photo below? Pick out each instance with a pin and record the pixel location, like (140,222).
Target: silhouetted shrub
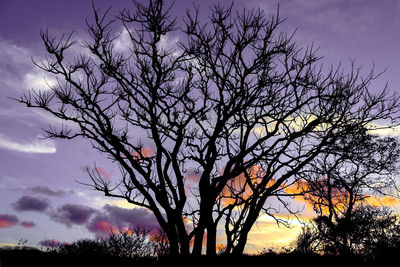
(368,232)
(132,243)
(84,247)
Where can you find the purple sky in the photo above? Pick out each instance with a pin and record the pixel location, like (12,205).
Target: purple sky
(40,198)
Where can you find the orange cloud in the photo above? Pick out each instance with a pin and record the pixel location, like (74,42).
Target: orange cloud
(240,187)
(315,196)
(104,173)
(145,152)
(4,223)
(105,227)
(27,224)
(192,177)
(382,201)
(221,247)
(7,220)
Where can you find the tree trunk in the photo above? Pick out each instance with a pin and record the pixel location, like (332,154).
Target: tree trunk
(247,225)
(239,248)
(173,246)
(172,235)
(211,239)
(198,241)
(184,249)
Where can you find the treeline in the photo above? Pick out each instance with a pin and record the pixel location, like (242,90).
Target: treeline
(140,245)
(369,237)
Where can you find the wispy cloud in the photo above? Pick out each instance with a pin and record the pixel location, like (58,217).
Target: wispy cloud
(38,81)
(340,17)
(383,130)
(122,43)
(17,70)
(34,146)
(44,190)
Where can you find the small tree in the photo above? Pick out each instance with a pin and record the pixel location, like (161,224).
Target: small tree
(235,95)
(339,182)
(132,243)
(372,232)
(308,241)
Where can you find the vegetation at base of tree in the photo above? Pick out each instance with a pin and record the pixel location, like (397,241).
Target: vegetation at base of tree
(27,256)
(374,235)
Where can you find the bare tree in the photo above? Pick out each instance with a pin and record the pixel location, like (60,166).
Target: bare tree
(274,109)
(236,95)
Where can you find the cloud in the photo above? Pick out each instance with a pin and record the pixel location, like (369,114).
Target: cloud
(136,216)
(192,177)
(114,219)
(70,214)
(17,70)
(267,233)
(104,173)
(123,42)
(168,42)
(38,81)
(34,146)
(102,227)
(338,16)
(11,52)
(7,220)
(29,116)
(44,190)
(28,203)
(26,224)
(383,130)
(379,201)
(144,153)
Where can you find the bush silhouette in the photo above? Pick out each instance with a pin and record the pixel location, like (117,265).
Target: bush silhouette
(371,232)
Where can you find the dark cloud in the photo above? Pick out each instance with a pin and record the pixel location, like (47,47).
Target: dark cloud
(26,224)
(136,216)
(70,214)
(7,220)
(44,190)
(114,219)
(28,203)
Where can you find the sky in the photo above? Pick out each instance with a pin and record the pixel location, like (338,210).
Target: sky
(41,197)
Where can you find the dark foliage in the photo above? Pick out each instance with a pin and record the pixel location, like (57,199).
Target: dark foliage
(34,257)
(371,233)
(138,243)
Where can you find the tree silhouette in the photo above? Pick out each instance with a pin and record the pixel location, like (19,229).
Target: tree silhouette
(234,95)
(371,232)
(339,183)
